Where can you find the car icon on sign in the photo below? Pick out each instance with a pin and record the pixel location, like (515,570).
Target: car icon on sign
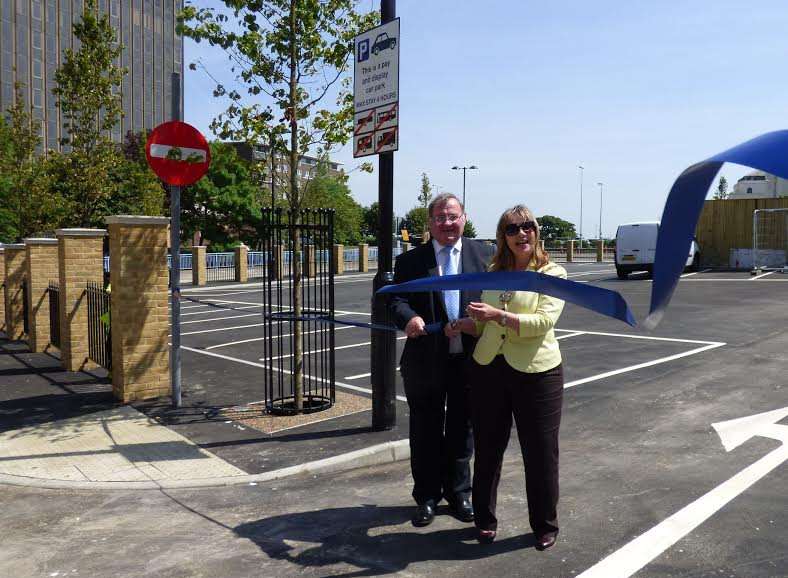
(387,138)
(382,42)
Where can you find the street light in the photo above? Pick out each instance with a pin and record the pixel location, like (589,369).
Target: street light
(470,168)
(600,209)
(581,203)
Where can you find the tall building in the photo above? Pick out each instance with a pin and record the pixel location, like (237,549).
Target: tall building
(35,34)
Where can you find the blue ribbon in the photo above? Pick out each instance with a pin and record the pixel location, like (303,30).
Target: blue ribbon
(597,299)
(768,152)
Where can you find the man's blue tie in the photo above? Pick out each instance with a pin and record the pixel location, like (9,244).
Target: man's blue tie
(451,299)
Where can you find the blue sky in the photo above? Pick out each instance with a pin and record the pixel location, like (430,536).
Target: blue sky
(634,91)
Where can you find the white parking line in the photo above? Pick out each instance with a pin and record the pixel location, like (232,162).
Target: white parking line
(761,275)
(263,338)
(219,310)
(352,345)
(254,364)
(642,365)
(220,318)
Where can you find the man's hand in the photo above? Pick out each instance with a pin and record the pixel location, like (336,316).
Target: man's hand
(458,326)
(415,327)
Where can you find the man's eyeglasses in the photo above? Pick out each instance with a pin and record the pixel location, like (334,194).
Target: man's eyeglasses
(513,228)
(451,219)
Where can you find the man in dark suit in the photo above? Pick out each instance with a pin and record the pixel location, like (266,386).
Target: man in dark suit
(433,366)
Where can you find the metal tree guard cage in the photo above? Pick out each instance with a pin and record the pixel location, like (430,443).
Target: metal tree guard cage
(313,233)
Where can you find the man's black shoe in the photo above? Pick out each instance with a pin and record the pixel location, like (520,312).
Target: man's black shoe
(425,514)
(462,510)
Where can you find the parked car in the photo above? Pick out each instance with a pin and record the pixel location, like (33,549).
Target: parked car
(383,42)
(636,245)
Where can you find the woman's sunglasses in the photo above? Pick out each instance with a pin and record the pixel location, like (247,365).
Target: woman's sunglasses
(513,228)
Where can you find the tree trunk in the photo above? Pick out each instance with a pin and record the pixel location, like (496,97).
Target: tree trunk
(295,205)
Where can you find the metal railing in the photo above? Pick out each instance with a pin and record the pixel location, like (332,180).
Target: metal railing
(99,322)
(220,266)
(25,308)
(53,292)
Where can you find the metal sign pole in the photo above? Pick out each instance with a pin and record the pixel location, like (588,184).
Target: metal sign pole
(175,267)
(383,350)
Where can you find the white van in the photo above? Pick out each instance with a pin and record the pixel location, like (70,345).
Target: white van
(636,244)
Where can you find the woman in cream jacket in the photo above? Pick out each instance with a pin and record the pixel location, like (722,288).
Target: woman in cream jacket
(516,373)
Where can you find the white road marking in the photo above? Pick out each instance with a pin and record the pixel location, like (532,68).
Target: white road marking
(636,554)
(254,364)
(360,375)
(264,338)
(352,345)
(647,337)
(220,318)
(219,310)
(761,275)
(571,335)
(223,329)
(685,275)
(590,272)
(642,365)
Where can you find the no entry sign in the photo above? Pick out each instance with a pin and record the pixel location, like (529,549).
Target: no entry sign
(178,153)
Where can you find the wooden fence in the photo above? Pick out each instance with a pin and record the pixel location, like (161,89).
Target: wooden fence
(726,225)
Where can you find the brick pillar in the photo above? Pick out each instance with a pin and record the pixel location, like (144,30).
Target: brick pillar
(15,266)
(405,247)
(2,289)
(80,255)
(42,264)
(310,268)
(241,263)
(338,259)
(570,251)
(199,265)
(363,258)
(277,262)
(600,250)
(140,307)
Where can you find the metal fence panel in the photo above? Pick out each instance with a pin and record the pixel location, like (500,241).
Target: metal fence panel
(314,230)
(54,313)
(99,332)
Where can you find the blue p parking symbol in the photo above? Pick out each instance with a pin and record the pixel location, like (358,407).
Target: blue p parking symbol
(363,50)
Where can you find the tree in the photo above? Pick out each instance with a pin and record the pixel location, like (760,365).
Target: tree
(330,192)
(469,230)
(293,53)
(369,223)
(138,190)
(722,189)
(425,196)
(25,207)
(88,95)
(224,206)
(417,219)
(554,228)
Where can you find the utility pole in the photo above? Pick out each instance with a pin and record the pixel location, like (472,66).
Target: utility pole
(600,209)
(383,349)
(581,203)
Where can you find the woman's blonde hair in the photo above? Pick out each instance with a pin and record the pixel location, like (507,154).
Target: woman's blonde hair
(503,260)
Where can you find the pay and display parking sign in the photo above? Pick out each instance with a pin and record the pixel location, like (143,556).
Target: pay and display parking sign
(376,90)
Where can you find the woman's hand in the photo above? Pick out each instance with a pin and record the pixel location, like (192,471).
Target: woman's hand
(464,325)
(483,312)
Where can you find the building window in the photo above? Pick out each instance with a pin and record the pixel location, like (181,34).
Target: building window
(749,190)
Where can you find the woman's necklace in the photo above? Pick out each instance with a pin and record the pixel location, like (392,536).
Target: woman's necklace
(505,297)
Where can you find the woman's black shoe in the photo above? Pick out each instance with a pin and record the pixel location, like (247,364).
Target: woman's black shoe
(544,541)
(486,536)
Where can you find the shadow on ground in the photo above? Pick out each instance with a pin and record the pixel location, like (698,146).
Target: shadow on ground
(375,540)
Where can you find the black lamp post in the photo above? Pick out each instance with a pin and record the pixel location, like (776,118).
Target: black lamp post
(470,168)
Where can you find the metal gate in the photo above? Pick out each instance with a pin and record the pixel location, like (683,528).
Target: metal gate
(25,308)
(99,333)
(297,247)
(54,313)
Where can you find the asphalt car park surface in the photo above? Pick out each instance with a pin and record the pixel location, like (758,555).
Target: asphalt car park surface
(655,480)
(640,456)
